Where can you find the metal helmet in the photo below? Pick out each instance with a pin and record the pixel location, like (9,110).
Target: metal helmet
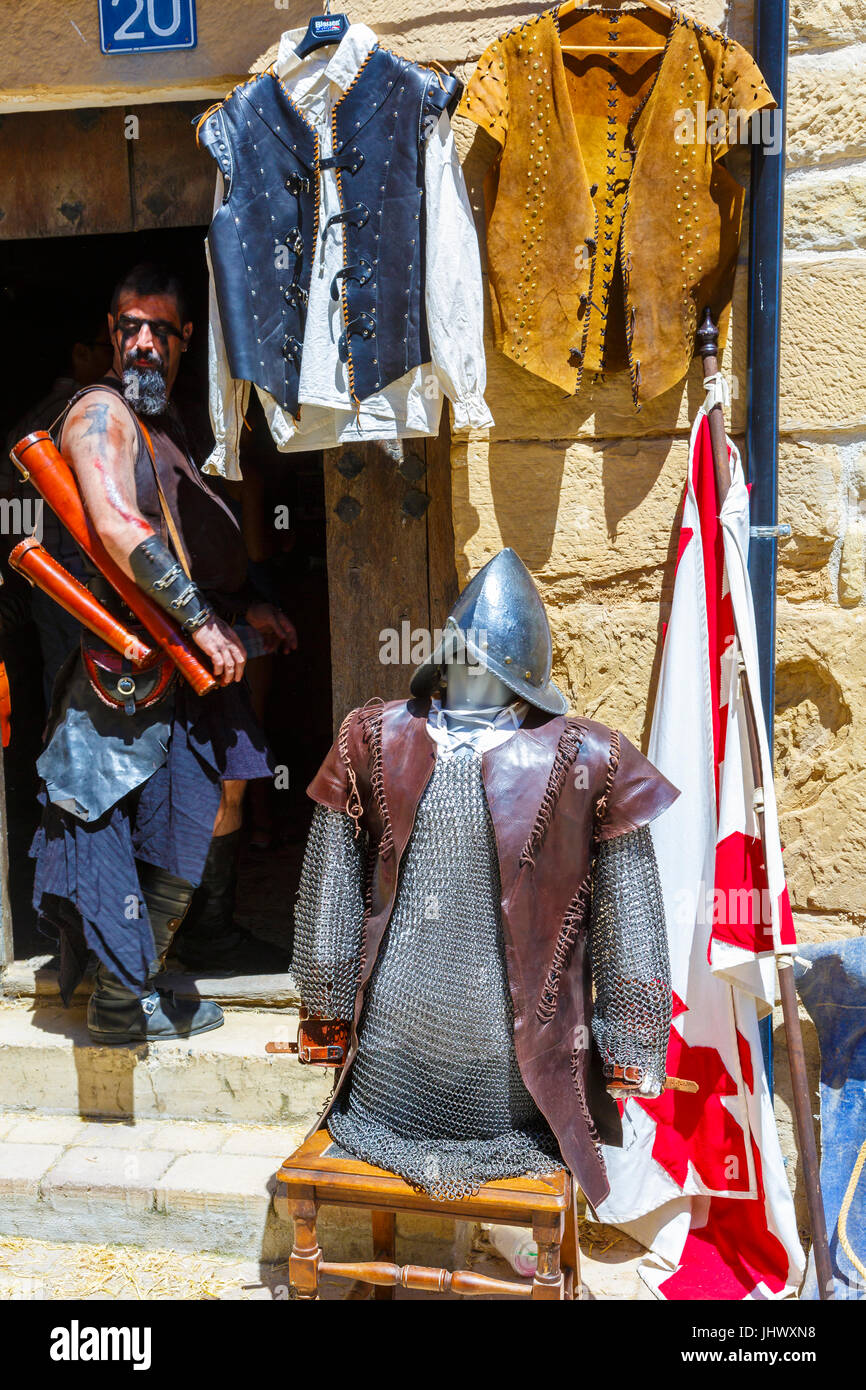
(499,620)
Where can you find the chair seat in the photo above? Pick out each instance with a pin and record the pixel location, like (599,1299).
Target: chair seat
(313,1170)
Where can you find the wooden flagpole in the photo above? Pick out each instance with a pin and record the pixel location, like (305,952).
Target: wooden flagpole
(708,348)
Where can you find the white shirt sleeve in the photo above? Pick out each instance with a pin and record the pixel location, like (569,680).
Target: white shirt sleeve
(227,398)
(455,294)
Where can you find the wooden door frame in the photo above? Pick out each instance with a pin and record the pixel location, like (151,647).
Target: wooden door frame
(391,560)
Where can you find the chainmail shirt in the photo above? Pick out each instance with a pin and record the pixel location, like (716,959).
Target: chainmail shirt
(435,1092)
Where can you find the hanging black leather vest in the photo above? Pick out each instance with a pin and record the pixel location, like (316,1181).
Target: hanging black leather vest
(263,237)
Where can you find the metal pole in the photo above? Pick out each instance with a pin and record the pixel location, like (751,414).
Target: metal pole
(767,206)
(766,231)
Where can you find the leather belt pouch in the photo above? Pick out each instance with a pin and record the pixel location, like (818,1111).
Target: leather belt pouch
(123,686)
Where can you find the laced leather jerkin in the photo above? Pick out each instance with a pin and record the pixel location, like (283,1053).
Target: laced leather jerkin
(435,1093)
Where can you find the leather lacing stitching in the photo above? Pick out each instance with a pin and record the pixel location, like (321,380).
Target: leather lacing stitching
(572,924)
(577,912)
(354,807)
(567,750)
(607,251)
(215,105)
(583,1106)
(370,721)
(612,765)
(600,813)
(587,306)
(369,718)
(355,810)
(677,19)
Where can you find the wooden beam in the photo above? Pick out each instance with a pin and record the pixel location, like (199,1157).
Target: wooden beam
(377,500)
(64,173)
(172,179)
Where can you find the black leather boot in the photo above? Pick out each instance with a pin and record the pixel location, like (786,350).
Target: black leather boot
(117,1014)
(210,940)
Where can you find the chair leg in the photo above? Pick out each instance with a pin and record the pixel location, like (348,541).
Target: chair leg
(571,1249)
(384,1247)
(549,1282)
(305,1257)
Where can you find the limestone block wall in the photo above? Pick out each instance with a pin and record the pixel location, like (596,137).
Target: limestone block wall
(821,701)
(587,491)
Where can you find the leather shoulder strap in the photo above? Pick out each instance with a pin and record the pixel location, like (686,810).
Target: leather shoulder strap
(171,525)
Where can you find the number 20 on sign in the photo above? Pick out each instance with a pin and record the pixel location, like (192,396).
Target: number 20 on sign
(146,26)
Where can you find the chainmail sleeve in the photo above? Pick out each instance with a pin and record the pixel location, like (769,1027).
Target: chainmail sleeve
(329,916)
(630,963)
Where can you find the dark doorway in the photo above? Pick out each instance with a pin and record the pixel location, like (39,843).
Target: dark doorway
(47,285)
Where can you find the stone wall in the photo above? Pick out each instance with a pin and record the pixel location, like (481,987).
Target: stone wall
(588,491)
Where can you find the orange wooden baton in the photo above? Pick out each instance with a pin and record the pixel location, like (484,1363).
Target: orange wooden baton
(5,707)
(33,561)
(38,458)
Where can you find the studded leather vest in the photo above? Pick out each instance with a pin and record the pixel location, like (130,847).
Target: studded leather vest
(611,221)
(263,238)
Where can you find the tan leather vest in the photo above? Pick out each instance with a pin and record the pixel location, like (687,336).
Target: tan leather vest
(612,223)
(547,819)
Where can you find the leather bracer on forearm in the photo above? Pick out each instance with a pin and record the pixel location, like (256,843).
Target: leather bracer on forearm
(160,576)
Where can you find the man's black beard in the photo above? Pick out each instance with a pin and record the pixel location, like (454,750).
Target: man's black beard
(144,389)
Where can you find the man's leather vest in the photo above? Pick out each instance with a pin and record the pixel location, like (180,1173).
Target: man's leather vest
(263,238)
(555,789)
(611,223)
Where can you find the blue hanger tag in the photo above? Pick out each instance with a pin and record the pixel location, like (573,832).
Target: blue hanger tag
(326,26)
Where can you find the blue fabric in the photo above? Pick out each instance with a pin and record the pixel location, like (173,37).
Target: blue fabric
(86,888)
(834,992)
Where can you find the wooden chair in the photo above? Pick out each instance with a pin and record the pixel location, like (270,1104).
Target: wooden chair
(312,1177)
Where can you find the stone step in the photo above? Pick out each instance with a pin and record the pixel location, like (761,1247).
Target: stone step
(49,1064)
(38,978)
(175,1185)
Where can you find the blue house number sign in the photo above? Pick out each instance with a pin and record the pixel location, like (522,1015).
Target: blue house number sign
(146,26)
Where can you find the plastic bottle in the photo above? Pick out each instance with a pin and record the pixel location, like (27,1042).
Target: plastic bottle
(516,1246)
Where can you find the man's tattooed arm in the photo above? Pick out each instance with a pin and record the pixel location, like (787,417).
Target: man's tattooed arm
(100,442)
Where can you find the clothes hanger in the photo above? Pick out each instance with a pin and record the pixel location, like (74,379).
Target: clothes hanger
(323,29)
(570,6)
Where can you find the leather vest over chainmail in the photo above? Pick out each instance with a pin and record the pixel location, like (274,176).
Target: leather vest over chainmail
(270,161)
(547,821)
(435,1093)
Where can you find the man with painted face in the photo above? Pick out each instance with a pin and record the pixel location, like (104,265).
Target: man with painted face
(143,790)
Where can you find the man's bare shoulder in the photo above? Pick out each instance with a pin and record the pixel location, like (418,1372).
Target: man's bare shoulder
(101,417)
